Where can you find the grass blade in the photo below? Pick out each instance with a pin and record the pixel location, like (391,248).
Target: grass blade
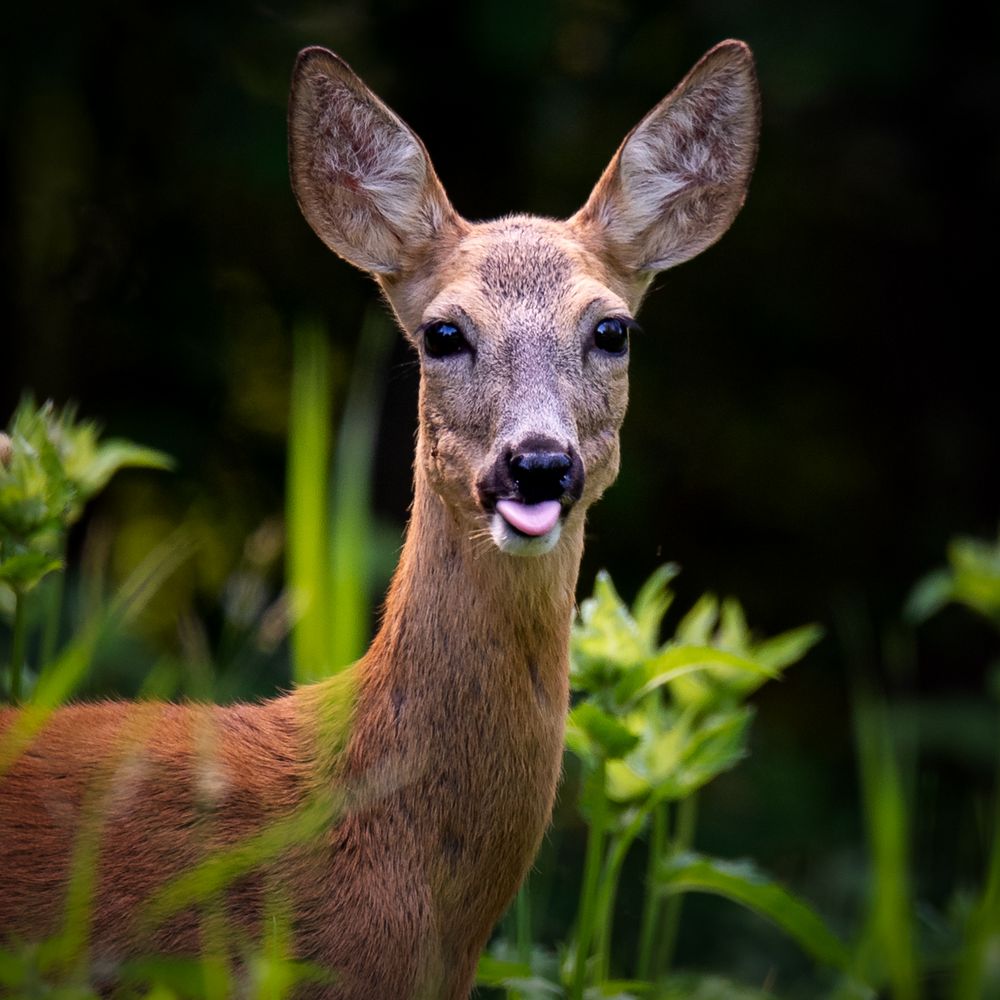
(742,882)
(890,935)
(306,502)
(350,496)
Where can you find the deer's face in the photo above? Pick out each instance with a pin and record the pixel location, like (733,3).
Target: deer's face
(524,381)
(521,324)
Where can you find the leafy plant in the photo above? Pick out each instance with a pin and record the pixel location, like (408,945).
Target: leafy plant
(652,723)
(971,578)
(51,465)
(890,953)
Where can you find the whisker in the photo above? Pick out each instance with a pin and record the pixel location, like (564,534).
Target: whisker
(481,539)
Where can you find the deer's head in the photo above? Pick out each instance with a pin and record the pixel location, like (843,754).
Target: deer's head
(522,325)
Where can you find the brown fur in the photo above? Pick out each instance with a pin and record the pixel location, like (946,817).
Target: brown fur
(429,767)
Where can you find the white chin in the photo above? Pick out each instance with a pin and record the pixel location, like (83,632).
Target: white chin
(514,543)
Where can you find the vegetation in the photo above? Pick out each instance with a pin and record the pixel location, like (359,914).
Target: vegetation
(644,756)
(654,721)
(50,466)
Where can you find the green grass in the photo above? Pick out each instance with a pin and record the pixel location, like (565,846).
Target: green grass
(330,531)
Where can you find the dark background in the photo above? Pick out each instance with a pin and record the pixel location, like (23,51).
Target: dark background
(814,403)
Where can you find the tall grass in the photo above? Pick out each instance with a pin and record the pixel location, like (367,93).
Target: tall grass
(306,504)
(329,503)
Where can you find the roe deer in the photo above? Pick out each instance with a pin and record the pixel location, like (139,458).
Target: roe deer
(441,748)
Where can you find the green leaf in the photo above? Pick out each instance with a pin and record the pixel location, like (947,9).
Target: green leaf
(744,883)
(56,464)
(619,989)
(696,627)
(716,744)
(674,760)
(591,732)
(35,494)
(606,640)
(651,604)
(972,578)
(733,631)
(110,457)
(534,987)
(624,783)
(182,976)
(929,596)
(306,497)
(976,568)
(679,661)
(24,570)
(787,648)
(347,620)
(889,948)
(498,972)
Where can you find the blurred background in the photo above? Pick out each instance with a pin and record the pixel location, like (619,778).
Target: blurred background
(814,400)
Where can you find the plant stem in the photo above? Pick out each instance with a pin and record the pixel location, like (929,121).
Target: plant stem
(17,646)
(687,816)
(652,903)
(591,878)
(984,925)
(308,570)
(617,852)
(53,613)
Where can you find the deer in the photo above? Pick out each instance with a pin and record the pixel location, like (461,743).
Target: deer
(439,752)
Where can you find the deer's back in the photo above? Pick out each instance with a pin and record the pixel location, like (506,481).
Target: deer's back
(134,794)
(138,795)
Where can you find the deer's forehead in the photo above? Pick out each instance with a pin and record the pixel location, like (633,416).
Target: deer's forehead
(524,271)
(520,263)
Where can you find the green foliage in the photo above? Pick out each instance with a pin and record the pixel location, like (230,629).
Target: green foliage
(892,953)
(742,882)
(305,503)
(332,547)
(972,578)
(653,722)
(51,465)
(667,717)
(229,966)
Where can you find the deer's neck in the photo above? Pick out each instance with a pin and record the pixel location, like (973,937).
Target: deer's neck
(471,637)
(459,608)
(462,701)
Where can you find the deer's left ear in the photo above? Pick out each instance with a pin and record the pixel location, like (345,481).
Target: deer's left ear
(681,175)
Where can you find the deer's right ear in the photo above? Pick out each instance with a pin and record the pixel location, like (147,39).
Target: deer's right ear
(362,178)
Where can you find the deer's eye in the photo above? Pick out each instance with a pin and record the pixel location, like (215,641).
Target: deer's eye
(441,340)
(611,335)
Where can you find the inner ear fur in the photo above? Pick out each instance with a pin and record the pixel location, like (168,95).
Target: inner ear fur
(362,178)
(681,175)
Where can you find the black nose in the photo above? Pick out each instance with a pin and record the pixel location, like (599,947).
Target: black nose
(545,473)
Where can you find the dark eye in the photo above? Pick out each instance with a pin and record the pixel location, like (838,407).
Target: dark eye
(611,335)
(441,340)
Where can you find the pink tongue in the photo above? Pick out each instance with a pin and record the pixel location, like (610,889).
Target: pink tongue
(530,519)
